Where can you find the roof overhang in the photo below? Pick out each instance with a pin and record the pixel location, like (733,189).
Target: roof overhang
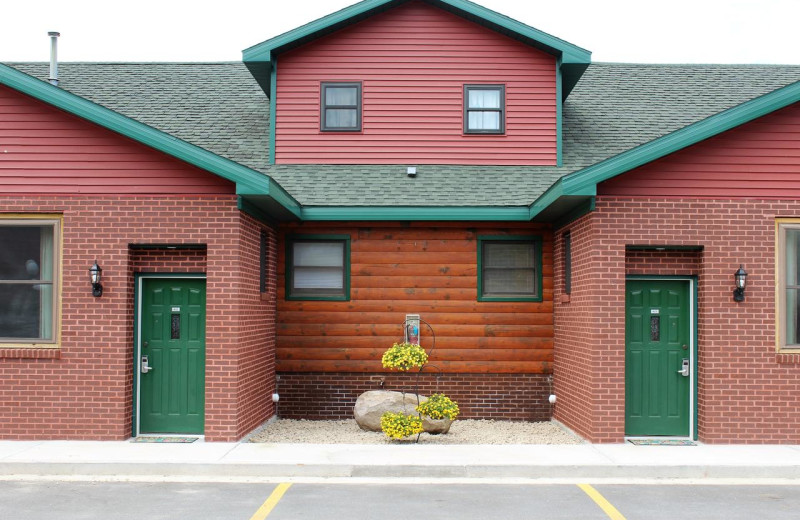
(252,185)
(574,60)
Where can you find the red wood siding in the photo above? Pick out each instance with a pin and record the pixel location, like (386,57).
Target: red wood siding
(413,62)
(46,150)
(421,268)
(760,159)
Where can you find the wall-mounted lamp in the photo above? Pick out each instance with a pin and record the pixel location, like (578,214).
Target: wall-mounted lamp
(740,279)
(94,274)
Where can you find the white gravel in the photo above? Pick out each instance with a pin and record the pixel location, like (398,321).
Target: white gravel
(463,431)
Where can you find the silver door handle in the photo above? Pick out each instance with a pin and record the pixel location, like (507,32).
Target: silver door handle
(684,371)
(145,367)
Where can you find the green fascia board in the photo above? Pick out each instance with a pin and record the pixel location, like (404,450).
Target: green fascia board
(556,194)
(408,213)
(246,180)
(258,58)
(588,178)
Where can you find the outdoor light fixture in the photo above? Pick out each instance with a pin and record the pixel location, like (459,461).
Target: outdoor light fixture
(94,274)
(740,278)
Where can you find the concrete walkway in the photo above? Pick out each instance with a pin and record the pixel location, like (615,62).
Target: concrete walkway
(201,460)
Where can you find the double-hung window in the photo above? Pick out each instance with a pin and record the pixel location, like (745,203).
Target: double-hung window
(484,109)
(788,267)
(509,268)
(340,107)
(29,259)
(318,267)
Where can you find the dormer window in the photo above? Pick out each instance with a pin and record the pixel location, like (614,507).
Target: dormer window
(484,109)
(340,107)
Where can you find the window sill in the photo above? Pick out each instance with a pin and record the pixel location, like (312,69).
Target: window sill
(791,357)
(565,298)
(29,353)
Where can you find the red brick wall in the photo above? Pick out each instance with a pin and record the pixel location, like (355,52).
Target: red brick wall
(521,397)
(84,389)
(746,391)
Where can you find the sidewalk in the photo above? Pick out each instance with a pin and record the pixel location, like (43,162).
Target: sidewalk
(251,460)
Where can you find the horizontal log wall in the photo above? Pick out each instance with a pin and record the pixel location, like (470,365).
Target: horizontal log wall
(420,268)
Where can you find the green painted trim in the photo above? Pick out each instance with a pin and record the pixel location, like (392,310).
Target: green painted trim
(537,245)
(247,180)
(273,104)
(687,136)
(695,333)
(580,210)
(290,239)
(459,213)
(253,210)
(559,120)
(264,52)
(282,197)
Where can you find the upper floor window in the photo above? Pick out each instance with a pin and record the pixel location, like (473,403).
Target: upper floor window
(788,284)
(29,251)
(484,109)
(318,267)
(340,109)
(509,268)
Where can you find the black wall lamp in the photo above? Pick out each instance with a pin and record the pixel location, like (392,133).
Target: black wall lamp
(94,274)
(740,279)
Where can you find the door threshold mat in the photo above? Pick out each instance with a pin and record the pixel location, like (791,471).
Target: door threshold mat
(662,442)
(168,439)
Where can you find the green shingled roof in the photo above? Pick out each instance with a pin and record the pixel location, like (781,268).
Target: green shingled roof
(612,109)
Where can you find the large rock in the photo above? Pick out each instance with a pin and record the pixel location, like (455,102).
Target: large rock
(370,406)
(436,426)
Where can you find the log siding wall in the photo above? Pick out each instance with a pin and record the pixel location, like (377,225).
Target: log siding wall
(418,268)
(46,150)
(413,62)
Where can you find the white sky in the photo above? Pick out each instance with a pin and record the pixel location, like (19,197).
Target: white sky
(675,31)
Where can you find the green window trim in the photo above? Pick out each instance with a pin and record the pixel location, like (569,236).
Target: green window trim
(324,106)
(501,109)
(289,268)
(536,241)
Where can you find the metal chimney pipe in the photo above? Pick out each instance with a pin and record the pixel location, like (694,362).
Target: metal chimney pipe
(54,57)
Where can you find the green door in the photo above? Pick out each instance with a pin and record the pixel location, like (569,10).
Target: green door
(173,346)
(657,333)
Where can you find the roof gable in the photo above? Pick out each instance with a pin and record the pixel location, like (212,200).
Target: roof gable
(249,183)
(573,59)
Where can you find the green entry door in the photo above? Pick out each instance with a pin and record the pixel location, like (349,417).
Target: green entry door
(657,340)
(173,346)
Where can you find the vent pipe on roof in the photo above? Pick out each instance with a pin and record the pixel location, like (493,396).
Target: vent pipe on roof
(54,57)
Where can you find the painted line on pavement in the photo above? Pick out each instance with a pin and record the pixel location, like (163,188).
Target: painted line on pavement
(270,503)
(600,500)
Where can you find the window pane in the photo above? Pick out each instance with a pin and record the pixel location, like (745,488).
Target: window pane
(322,254)
(341,118)
(509,281)
(25,311)
(508,254)
(26,253)
(792,318)
(480,98)
(791,247)
(318,278)
(484,120)
(341,96)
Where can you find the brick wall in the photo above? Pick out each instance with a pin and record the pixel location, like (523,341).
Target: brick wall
(521,397)
(746,392)
(84,389)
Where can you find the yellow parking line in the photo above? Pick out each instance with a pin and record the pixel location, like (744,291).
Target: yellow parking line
(604,504)
(268,505)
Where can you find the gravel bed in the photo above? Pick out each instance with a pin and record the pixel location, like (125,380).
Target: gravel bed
(463,431)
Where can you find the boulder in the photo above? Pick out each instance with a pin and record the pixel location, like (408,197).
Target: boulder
(370,406)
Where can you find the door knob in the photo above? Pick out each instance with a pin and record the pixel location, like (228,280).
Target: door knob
(684,371)
(145,366)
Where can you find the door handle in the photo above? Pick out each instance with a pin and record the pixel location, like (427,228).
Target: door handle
(145,366)
(684,371)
